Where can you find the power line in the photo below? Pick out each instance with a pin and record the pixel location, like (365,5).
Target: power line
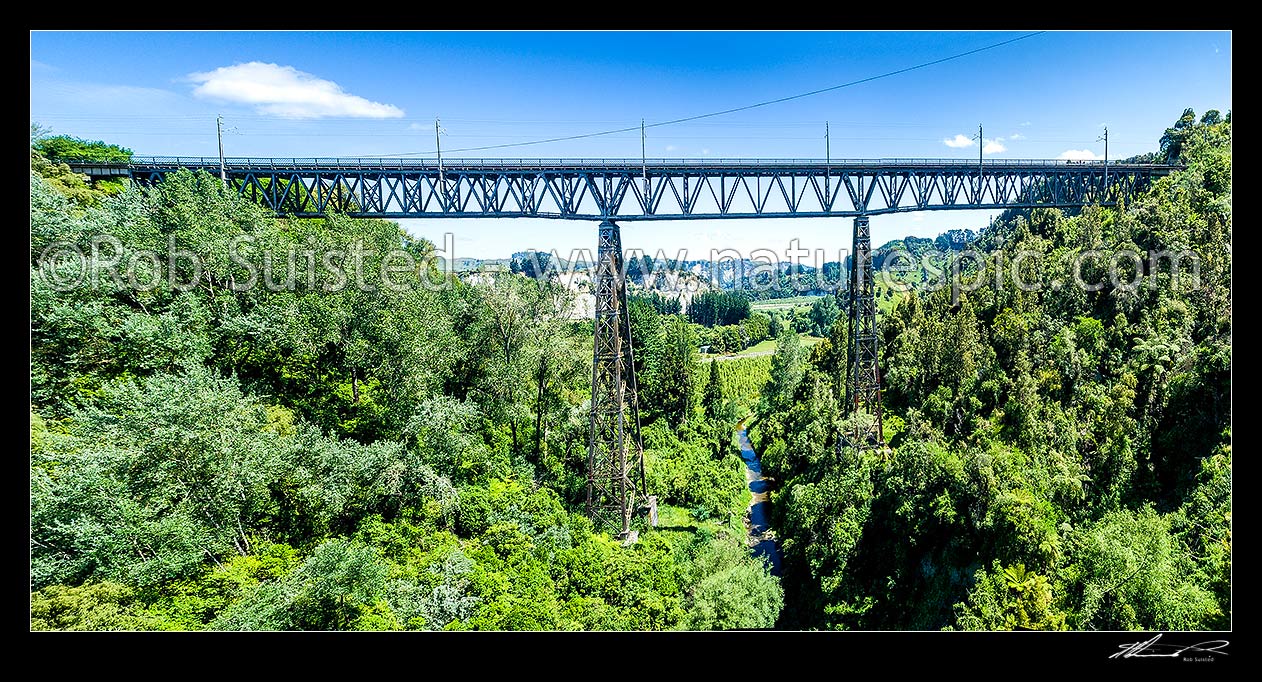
(734,110)
(851,83)
(392,124)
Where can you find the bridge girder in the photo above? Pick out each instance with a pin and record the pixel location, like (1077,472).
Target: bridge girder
(626,191)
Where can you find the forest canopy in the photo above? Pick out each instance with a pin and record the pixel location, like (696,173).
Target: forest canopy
(297,455)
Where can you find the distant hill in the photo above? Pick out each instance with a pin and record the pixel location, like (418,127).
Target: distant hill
(787,280)
(470,264)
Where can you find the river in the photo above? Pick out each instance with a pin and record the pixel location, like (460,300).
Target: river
(761,536)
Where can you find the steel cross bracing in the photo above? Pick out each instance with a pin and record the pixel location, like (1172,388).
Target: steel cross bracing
(615,458)
(587,189)
(863,380)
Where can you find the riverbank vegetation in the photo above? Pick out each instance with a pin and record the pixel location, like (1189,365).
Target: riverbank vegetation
(1058,458)
(299,455)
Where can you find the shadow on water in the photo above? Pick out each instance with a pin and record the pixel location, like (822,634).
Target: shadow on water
(759,521)
(760,536)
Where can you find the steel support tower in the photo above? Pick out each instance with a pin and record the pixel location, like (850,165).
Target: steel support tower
(615,457)
(863,384)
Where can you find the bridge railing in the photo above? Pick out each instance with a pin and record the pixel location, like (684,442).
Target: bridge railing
(394,163)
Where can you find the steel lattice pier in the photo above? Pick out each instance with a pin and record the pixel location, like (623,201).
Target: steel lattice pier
(615,459)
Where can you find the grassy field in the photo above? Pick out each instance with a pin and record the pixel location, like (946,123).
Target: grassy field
(761,348)
(886,304)
(678,526)
(781,303)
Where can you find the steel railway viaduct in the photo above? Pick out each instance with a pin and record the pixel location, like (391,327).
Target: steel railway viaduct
(609,191)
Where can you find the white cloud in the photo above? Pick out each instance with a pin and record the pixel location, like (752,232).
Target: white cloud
(285,91)
(671,147)
(959,141)
(1016,136)
(705,152)
(37,65)
(1025,124)
(1079,155)
(419,126)
(994,146)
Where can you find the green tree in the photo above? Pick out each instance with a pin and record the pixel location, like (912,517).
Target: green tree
(59,148)
(92,606)
(676,369)
(1010,598)
(1173,139)
(341,586)
(823,313)
(729,589)
(1130,572)
(786,370)
(712,398)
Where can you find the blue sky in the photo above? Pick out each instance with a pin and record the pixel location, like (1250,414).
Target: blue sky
(377,93)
